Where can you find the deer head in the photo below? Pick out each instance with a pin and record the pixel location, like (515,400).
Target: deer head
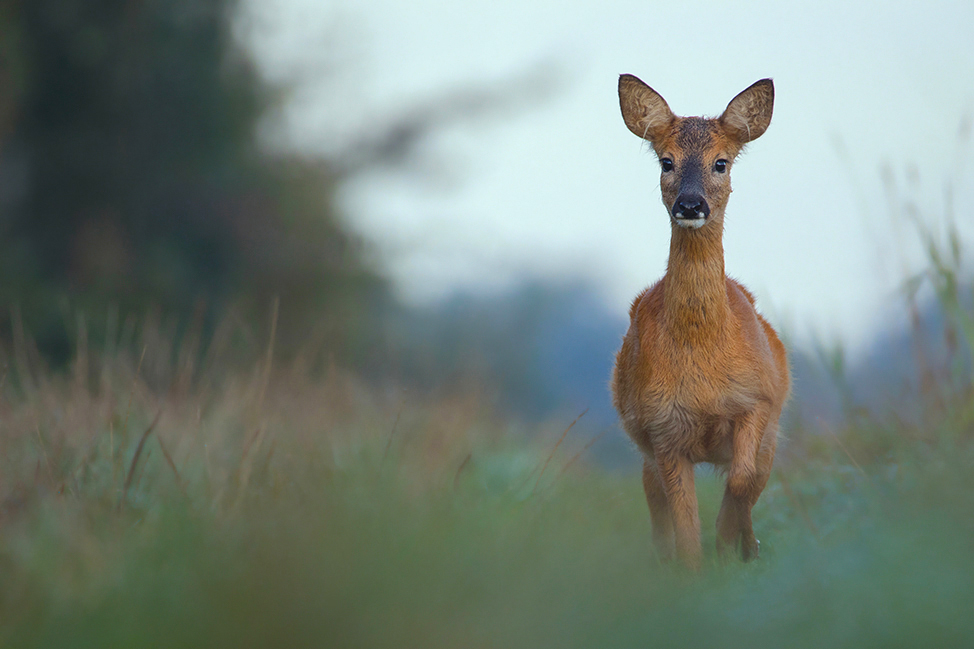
(695,153)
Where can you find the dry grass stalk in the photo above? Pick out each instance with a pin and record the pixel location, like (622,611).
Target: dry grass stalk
(135,458)
(846,451)
(578,455)
(463,465)
(246,465)
(128,411)
(172,465)
(555,449)
(268,362)
(392,433)
(797,503)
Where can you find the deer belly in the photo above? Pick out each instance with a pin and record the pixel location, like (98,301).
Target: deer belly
(698,436)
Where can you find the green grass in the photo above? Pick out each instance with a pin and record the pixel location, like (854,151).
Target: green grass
(305,512)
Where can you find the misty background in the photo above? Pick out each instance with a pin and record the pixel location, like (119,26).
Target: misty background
(442,196)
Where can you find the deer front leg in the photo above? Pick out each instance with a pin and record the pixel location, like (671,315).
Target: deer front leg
(675,473)
(659,510)
(755,439)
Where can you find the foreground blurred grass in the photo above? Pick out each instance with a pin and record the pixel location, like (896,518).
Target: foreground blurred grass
(269,508)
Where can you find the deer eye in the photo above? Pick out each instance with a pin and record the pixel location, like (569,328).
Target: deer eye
(720,166)
(666,164)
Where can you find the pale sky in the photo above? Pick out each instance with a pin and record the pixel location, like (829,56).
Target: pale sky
(563,191)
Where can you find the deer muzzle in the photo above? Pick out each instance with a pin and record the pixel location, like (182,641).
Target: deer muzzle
(690,209)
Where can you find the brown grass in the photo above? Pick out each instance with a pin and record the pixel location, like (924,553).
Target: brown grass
(213,422)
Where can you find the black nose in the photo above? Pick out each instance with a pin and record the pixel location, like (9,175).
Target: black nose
(690,206)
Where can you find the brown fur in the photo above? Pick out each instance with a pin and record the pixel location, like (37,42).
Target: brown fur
(701,376)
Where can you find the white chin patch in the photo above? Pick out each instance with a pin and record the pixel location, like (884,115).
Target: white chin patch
(692,224)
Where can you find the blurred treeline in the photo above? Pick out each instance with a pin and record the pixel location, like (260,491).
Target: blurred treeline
(132,183)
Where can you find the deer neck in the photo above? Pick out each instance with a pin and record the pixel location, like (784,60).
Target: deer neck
(695,298)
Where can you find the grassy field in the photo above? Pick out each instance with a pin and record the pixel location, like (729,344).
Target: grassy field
(149,503)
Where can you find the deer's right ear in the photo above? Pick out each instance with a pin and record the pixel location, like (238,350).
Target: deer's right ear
(645,112)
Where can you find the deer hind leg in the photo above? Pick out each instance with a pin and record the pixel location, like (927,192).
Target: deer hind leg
(675,474)
(659,511)
(755,439)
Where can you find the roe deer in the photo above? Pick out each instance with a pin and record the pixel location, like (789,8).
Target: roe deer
(701,376)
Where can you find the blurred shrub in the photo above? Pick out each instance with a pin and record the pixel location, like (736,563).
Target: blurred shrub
(130,178)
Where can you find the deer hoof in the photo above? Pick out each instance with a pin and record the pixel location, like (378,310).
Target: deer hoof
(751,551)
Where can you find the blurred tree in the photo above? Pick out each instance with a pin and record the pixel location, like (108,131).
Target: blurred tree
(130,176)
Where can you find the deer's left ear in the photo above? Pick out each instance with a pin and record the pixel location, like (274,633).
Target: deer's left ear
(748,114)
